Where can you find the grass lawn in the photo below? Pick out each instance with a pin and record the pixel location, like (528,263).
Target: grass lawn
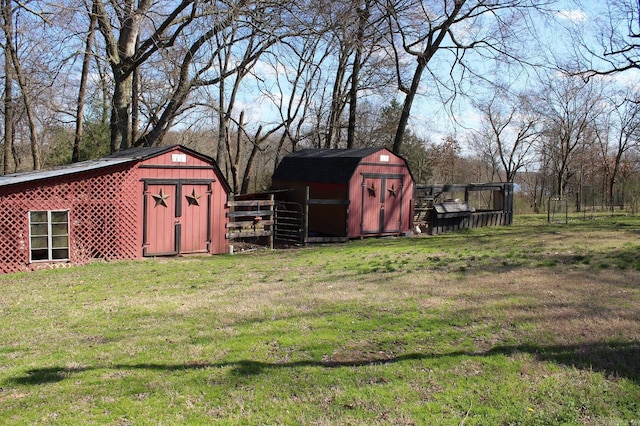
(532,324)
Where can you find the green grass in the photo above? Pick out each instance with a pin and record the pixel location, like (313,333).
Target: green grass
(530,324)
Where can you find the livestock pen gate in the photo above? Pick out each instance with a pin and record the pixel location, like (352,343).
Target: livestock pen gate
(259,219)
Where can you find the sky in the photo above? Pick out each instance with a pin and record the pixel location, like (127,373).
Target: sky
(430,118)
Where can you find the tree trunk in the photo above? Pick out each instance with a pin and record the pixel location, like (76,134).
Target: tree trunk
(257,141)
(135,105)
(435,37)
(77,141)
(408,103)
(120,123)
(221,122)
(612,182)
(353,99)
(121,54)
(363,15)
(105,107)
(22,81)
(8,91)
(332,138)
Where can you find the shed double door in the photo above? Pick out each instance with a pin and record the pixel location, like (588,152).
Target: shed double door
(177,218)
(381,204)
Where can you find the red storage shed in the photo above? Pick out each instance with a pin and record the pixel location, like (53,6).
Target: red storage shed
(150,201)
(352,193)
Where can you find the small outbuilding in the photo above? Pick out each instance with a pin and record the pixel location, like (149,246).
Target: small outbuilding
(150,201)
(348,193)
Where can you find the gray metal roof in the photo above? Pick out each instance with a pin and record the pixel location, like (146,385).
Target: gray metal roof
(126,156)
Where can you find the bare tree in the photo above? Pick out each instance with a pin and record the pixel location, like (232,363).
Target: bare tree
(609,42)
(350,36)
(420,29)
(82,90)
(618,133)
(569,107)
(507,135)
(28,105)
(18,72)
(184,33)
(239,48)
(445,160)
(7,26)
(297,70)
(343,27)
(369,66)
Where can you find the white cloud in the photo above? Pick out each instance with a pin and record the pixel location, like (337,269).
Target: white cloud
(628,79)
(574,15)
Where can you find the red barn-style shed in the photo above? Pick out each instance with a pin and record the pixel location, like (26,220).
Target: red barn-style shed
(352,193)
(151,201)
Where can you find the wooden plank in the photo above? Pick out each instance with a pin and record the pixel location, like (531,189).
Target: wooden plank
(249,223)
(327,201)
(244,213)
(251,203)
(327,239)
(454,215)
(248,234)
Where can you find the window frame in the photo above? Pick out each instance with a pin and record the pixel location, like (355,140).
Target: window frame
(52,239)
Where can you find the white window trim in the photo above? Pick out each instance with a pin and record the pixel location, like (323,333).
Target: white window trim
(49,238)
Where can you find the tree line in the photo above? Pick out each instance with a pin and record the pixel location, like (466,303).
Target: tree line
(528,91)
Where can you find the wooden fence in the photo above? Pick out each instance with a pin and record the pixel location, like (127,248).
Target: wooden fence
(251,218)
(438,210)
(438,224)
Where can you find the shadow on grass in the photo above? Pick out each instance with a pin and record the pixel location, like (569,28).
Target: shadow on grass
(39,376)
(614,359)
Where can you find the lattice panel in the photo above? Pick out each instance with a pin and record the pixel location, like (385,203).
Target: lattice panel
(102,216)
(12,235)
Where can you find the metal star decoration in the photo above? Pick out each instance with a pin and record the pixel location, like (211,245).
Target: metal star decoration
(392,191)
(193,198)
(372,190)
(161,198)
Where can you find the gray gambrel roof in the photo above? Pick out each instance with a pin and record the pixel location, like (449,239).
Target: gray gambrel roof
(122,157)
(322,165)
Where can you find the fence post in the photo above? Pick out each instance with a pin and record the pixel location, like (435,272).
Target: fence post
(273,219)
(305,219)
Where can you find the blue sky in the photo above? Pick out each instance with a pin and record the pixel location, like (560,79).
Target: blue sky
(433,120)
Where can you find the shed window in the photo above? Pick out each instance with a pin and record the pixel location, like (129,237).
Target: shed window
(49,235)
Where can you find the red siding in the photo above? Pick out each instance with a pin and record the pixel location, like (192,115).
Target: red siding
(369,213)
(160,220)
(365,217)
(190,161)
(188,176)
(196,209)
(106,210)
(102,216)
